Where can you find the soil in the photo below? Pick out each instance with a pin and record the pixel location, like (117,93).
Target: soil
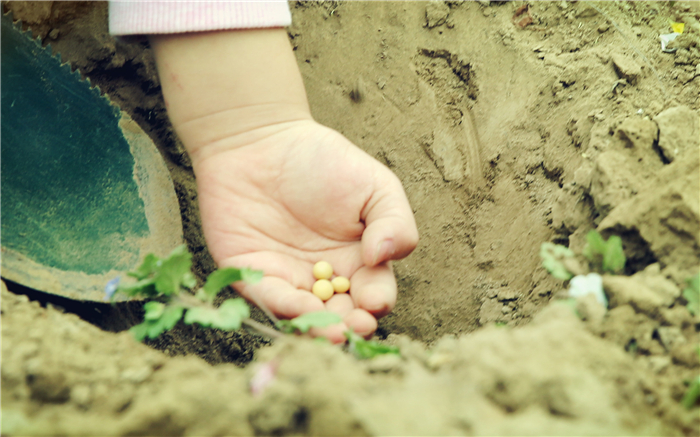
(510,124)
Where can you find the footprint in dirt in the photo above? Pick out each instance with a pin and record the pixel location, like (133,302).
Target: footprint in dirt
(453,147)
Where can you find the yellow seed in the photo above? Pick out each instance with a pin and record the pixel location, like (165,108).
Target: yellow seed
(341,284)
(323,270)
(323,289)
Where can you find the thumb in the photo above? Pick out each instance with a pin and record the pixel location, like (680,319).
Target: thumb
(390,228)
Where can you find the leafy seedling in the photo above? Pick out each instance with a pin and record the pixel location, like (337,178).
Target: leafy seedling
(303,323)
(229,316)
(157,319)
(692,295)
(365,349)
(554,257)
(167,279)
(604,256)
(223,277)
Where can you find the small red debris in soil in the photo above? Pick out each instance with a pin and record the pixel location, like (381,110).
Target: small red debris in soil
(521,10)
(525,21)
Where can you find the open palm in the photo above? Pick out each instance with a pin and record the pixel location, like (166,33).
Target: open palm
(298,196)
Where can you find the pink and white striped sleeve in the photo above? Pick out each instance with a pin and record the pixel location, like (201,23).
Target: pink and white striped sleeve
(178,16)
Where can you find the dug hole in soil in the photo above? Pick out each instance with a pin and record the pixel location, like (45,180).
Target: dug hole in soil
(510,125)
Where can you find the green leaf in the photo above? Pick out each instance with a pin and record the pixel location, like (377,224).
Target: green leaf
(692,394)
(201,315)
(173,271)
(188,280)
(152,328)
(228,316)
(692,295)
(228,275)
(251,276)
(147,267)
(614,257)
(139,331)
(285,326)
(144,287)
(595,247)
(604,256)
(552,259)
(318,319)
(170,317)
(364,349)
(154,310)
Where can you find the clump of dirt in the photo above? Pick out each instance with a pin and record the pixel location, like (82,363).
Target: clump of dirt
(551,377)
(509,124)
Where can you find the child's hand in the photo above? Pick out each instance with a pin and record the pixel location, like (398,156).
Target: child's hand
(302,194)
(277,191)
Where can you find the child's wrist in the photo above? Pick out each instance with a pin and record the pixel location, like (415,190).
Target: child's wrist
(230,88)
(208,136)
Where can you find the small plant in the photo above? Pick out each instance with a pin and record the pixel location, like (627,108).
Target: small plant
(602,257)
(554,257)
(166,282)
(303,323)
(365,349)
(598,256)
(692,295)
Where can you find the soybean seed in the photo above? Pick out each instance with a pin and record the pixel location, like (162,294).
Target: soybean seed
(341,284)
(323,270)
(323,289)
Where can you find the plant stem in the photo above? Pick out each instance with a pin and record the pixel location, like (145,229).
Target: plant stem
(189,301)
(262,329)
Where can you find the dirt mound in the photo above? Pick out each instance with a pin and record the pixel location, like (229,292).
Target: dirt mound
(551,377)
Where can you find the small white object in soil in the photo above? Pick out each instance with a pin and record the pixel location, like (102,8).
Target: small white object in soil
(667,38)
(592,283)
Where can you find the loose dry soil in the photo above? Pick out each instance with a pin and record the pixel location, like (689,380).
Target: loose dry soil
(509,127)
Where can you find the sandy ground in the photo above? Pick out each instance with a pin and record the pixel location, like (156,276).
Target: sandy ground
(509,127)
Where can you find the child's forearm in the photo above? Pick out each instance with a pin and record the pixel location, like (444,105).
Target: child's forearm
(229,88)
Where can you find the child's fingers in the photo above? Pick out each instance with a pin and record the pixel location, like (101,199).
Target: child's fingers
(340,304)
(391,231)
(333,333)
(373,289)
(361,322)
(296,272)
(279,297)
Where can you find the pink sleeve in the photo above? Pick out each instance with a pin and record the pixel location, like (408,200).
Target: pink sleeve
(177,16)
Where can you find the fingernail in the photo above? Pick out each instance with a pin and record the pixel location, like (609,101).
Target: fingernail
(384,251)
